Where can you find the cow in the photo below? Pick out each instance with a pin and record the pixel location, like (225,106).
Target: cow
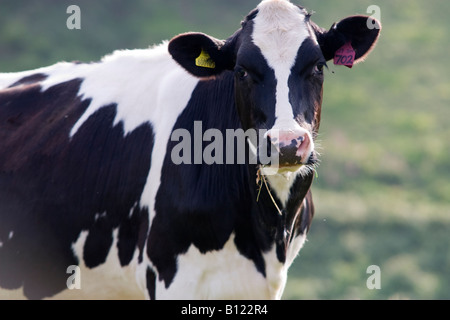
(100,196)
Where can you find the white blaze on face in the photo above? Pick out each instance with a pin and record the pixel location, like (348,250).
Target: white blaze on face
(279,31)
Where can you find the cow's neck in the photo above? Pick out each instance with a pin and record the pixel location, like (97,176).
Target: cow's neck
(281,216)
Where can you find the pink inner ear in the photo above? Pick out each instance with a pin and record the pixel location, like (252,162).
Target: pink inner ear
(345,56)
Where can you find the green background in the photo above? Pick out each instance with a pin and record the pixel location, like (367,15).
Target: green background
(382,194)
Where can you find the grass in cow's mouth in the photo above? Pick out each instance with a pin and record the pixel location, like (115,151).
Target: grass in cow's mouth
(260,180)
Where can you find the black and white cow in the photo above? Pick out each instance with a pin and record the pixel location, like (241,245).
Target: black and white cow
(88,181)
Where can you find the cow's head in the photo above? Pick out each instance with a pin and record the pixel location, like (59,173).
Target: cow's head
(278,59)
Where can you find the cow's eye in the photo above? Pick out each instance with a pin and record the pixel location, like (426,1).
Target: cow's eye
(242,74)
(318,69)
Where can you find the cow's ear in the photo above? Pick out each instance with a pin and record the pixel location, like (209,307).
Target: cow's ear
(361,31)
(200,54)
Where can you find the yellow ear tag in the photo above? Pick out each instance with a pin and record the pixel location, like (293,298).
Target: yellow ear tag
(204,60)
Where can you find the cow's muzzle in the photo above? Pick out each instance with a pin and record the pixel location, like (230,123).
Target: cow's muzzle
(290,148)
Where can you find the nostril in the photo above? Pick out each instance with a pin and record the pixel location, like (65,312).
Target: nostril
(292,141)
(303,147)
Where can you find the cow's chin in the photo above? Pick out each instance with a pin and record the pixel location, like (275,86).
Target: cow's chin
(290,168)
(284,169)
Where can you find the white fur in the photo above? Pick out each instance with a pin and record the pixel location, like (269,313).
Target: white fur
(224,274)
(281,183)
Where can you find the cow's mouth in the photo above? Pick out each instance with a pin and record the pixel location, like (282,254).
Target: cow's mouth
(286,163)
(289,168)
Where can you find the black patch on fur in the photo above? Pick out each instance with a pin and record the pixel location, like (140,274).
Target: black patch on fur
(38,77)
(53,186)
(151,283)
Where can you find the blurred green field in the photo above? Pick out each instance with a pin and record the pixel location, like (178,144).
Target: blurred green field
(383,191)
(382,194)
